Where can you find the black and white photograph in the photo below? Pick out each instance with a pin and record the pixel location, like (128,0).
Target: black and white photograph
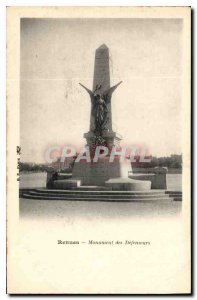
(101,108)
(70,144)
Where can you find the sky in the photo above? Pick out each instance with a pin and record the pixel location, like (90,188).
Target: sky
(57,54)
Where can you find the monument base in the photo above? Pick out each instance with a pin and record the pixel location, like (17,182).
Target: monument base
(127,184)
(97,173)
(111,138)
(66,184)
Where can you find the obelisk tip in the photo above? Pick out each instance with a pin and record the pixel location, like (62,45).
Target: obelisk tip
(103,46)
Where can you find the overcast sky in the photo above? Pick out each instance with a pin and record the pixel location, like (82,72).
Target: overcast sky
(56,54)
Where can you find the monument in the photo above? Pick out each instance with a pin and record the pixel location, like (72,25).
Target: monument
(104,172)
(102,179)
(101,115)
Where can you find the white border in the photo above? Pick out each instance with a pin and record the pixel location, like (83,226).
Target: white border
(3,93)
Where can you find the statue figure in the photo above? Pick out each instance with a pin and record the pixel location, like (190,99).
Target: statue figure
(99,105)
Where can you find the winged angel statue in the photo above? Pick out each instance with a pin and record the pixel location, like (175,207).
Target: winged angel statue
(99,105)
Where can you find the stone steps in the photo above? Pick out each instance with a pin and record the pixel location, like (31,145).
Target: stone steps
(98,192)
(94,188)
(174,192)
(102,195)
(176,195)
(103,199)
(177,198)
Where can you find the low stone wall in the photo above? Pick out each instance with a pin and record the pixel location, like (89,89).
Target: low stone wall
(155,180)
(128,184)
(157,177)
(66,184)
(51,177)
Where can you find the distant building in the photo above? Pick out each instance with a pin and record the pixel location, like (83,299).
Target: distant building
(61,165)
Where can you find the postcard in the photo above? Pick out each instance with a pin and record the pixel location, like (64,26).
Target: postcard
(98,150)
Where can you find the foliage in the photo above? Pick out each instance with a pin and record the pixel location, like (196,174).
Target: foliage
(31,167)
(174,161)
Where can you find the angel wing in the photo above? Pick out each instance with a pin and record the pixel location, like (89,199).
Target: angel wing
(89,92)
(108,93)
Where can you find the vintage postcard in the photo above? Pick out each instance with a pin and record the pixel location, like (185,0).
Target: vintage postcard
(98,150)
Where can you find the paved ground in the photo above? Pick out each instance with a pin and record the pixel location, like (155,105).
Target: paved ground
(103,210)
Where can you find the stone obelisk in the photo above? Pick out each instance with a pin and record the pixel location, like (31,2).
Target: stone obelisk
(98,173)
(102,76)
(102,79)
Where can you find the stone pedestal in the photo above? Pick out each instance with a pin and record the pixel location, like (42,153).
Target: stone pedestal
(127,184)
(97,173)
(160,178)
(111,138)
